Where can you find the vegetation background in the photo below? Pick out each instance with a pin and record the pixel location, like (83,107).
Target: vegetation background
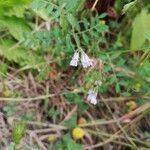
(43,100)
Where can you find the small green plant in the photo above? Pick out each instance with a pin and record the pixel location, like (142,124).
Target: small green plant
(9,109)
(68,143)
(18,132)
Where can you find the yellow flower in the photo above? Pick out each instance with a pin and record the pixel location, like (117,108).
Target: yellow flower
(137,87)
(82,120)
(131,105)
(102,22)
(78,133)
(51,138)
(7,93)
(141,64)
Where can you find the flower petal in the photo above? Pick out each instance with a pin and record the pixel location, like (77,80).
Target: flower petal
(85,60)
(92,97)
(75,59)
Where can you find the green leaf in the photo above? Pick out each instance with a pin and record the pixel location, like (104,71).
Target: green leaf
(140,101)
(117,88)
(42,8)
(68,144)
(71,5)
(103,15)
(16,26)
(125,94)
(85,38)
(12,55)
(72,20)
(11,146)
(144,70)
(128,6)
(72,122)
(73,98)
(3,68)
(101,28)
(14,7)
(18,132)
(141,25)
(18,55)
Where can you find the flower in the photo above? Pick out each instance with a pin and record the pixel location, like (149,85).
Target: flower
(92,97)
(81,121)
(102,22)
(75,59)
(51,138)
(137,87)
(7,93)
(78,133)
(85,60)
(131,105)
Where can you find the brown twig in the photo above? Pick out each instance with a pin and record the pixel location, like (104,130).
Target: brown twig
(69,114)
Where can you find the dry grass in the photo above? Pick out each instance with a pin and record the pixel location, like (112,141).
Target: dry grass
(108,125)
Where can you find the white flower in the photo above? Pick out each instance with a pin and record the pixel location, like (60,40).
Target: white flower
(75,59)
(92,97)
(85,60)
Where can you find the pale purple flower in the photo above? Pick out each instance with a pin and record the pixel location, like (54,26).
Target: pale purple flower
(92,97)
(75,59)
(85,60)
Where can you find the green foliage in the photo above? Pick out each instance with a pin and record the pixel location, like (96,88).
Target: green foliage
(9,109)
(144,70)
(18,132)
(128,6)
(72,122)
(12,19)
(11,146)
(27,116)
(48,41)
(16,26)
(13,7)
(68,144)
(20,55)
(69,31)
(36,33)
(53,113)
(73,98)
(3,69)
(141,26)
(67,34)
(54,10)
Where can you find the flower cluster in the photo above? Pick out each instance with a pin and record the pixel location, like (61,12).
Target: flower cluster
(92,96)
(85,60)
(92,93)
